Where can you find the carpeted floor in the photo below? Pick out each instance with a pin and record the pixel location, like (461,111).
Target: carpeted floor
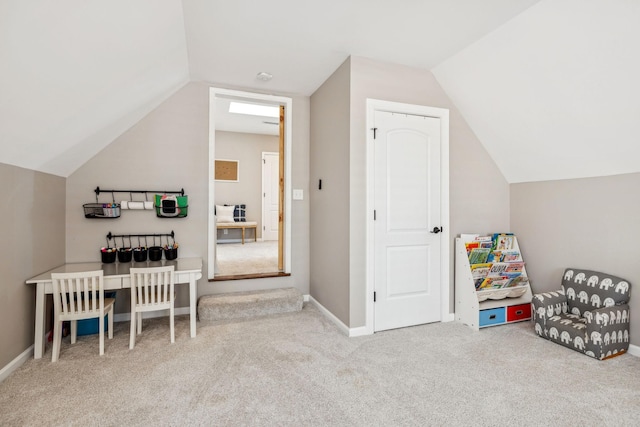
(297,369)
(250,258)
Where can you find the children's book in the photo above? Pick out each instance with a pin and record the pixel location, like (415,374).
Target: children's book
(471,245)
(479,255)
(498,268)
(518,281)
(513,267)
(496,282)
(511,255)
(479,272)
(494,256)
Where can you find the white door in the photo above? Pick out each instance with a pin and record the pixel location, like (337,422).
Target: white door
(270,195)
(407,209)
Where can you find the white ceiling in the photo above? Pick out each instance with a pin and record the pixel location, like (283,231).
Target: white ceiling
(302,42)
(548,86)
(555,92)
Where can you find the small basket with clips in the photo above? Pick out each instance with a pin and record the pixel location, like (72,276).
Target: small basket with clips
(102,210)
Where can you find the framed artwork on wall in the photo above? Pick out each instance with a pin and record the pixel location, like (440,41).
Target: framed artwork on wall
(227,170)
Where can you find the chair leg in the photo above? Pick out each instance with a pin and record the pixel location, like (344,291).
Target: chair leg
(173,333)
(139,322)
(110,319)
(101,331)
(74,331)
(57,337)
(132,331)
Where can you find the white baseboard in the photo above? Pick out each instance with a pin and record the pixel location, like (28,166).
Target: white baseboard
(223,241)
(362,330)
(341,326)
(634,350)
(305,298)
(16,363)
(449,317)
(350,332)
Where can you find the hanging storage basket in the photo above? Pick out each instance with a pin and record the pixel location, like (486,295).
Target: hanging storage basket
(101,210)
(171,206)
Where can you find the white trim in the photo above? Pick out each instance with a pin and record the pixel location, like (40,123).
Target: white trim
(634,350)
(264,154)
(16,363)
(288,133)
(350,332)
(329,315)
(374,105)
(305,297)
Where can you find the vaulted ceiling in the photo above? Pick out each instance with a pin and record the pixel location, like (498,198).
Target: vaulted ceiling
(548,86)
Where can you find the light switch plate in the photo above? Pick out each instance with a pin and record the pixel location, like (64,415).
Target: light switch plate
(297,195)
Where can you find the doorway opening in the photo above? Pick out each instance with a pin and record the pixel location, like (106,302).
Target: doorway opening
(236,238)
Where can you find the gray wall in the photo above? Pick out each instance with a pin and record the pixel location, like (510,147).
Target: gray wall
(247,148)
(586,223)
(168,149)
(33,232)
(329,161)
(479,194)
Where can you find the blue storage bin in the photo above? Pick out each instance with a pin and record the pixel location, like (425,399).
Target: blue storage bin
(92,326)
(493,316)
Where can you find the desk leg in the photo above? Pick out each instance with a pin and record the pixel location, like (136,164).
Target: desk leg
(38,341)
(255,234)
(243,235)
(192,303)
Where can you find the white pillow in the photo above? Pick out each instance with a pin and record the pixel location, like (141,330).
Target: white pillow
(224,213)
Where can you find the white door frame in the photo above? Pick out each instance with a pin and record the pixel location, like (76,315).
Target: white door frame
(374,105)
(264,217)
(248,96)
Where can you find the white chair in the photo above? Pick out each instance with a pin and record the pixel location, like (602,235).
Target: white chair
(78,296)
(152,289)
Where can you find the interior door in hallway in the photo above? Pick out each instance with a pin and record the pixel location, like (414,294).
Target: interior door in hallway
(270,195)
(407,220)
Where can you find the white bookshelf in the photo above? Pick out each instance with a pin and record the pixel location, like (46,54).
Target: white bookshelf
(492,307)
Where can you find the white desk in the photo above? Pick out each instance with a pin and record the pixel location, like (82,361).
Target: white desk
(116,276)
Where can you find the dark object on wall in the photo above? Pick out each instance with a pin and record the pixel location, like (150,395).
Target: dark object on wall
(124,255)
(108,255)
(170,253)
(140,254)
(155,253)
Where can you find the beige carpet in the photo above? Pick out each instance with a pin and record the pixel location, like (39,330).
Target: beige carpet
(250,258)
(297,370)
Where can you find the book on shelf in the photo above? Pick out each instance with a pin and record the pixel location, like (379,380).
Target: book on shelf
(479,255)
(494,256)
(494,282)
(498,268)
(518,281)
(502,241)
(511,255)
(480,242)
(503,281)
(479,272)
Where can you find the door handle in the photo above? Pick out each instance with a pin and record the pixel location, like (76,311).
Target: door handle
(436,230)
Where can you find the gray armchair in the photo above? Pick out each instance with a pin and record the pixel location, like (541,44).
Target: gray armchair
(590,314)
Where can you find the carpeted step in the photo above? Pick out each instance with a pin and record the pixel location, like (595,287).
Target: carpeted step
(237,305)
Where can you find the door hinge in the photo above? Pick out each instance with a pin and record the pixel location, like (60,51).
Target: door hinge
(374,297)
(264,161)
(374,215)
(374,132)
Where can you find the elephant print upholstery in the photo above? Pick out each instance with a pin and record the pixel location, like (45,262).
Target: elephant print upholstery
(594,313)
